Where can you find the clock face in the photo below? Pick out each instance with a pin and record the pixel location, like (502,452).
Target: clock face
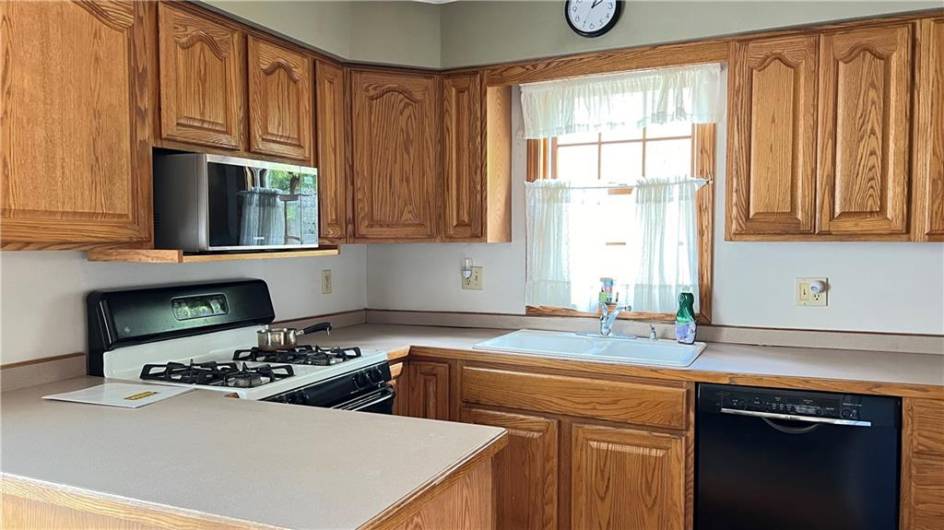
(592,18)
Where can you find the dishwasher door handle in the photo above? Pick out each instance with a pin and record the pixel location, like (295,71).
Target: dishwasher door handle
(793,417)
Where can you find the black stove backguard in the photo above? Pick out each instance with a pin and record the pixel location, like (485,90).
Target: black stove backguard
(118,318)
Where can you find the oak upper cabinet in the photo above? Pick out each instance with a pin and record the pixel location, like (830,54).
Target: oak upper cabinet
(280,100)
(333,181)
(426,389)
(463,157)
(929,132)
(202,79)
(772,137)
(76,123)
(525,472)
(864,131)
(395,143)
(614,466)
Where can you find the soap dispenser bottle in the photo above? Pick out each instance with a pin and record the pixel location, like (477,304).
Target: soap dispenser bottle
(685,319)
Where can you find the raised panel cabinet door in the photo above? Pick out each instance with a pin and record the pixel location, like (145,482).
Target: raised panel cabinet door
(333,182)
(772,180)
(525,470)
(864,130)
(922,469)
(929,132)
(280,85)
(427,390)
(395,150)
(464,196)
(627,479)
(202,79)
(75,123)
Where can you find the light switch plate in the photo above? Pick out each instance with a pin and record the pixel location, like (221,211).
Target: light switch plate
(326,286)
(806,297)
(473,282)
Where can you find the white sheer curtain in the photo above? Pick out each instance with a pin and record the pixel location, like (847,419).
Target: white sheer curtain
(560,221)
(667,243)
(626,100)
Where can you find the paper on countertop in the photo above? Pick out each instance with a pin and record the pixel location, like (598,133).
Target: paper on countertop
(125,395)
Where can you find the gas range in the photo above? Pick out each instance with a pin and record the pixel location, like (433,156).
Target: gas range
(143,335)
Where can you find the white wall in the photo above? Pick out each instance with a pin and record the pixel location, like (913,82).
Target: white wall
(884,287)
(42,309)
(487,32)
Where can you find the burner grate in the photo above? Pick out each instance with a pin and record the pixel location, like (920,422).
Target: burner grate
(310,355)
(216,373)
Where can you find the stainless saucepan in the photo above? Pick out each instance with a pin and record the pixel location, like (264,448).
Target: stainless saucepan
(271,339)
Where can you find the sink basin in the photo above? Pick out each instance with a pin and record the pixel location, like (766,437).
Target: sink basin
(628,350)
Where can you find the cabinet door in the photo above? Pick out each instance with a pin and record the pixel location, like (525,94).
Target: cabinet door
(771,183)
(202,78)
(330,110)
(922,469)
(628,479)
(463,157)
(525,471)
(427,390)
(280,85)
(864,162)
(75,160)
(395,149)
(929,132)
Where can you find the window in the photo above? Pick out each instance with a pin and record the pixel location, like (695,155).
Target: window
(605,174)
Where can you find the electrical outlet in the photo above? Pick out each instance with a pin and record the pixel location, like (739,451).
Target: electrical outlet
(326,281)
(474,281)
(805,295)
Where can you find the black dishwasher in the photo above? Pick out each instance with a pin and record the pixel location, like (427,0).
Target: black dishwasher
(795,460)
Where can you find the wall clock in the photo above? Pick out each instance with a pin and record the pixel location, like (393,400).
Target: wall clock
(592,18)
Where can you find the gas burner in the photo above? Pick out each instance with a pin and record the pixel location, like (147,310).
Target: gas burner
(256,376)
(310,355)
(216,374)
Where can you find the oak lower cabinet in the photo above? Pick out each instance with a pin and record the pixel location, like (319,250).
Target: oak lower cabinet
(626,478)
(330,152)
(202,79)
(922,473)
(426,390)
(395,147)
(526,470)
(76,123)
(280,100)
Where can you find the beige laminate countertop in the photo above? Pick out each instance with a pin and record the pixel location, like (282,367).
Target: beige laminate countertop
(265,463)
(719,358)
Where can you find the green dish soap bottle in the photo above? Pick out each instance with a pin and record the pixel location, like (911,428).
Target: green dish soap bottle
(685,319)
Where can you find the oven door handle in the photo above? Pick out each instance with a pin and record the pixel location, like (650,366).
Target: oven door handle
(793,417)
(369,400)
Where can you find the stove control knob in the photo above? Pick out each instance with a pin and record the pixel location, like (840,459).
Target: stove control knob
(375,375)
(360,380)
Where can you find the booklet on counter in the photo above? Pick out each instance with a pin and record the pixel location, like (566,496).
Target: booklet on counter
(124,395)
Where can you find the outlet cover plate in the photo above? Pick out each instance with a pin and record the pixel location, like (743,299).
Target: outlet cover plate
(473,282)
(805,297)
(326,284)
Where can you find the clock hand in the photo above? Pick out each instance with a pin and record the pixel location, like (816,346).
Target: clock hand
(595,3)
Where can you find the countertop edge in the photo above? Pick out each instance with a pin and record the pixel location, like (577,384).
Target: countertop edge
(105,504)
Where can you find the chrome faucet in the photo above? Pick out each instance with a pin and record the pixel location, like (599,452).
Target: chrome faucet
(608,314)
(653,335)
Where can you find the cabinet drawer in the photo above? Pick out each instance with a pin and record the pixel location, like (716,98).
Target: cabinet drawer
(927,417)
(638,403)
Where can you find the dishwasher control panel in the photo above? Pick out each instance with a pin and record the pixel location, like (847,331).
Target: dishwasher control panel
(792,402)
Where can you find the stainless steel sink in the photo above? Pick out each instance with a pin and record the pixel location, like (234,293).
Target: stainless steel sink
(628,350)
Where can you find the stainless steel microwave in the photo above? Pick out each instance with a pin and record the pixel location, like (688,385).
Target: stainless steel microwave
(219,203)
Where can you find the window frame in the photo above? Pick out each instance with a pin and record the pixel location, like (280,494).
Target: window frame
(539,161)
